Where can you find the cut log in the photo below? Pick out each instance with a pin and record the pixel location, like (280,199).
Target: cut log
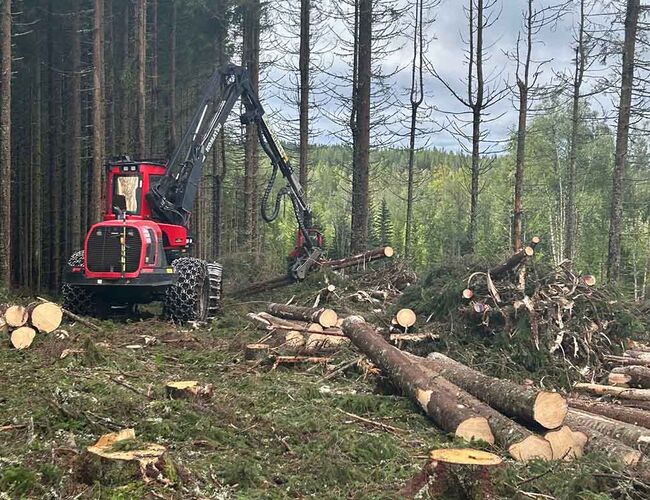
(618,379)
(589,280)
(188,389)
(619,392)
(22,338)
(631,435)
(522,444)
(436,396)
(4,328)
(633,376)
(610,447)
(638,346)
(256,352)
(327,318)
(263,286)
(643,355)
(75,317)
(294,340)
(566,443)
(405,318)
(547,409)
(16,316)
(46,317)
(117,458)
(360,259)
(512,262)
(468,293)
(317,342)
(614,411)
(625,360)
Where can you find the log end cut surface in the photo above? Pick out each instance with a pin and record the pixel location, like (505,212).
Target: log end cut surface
(566,444)
(475,428)
(550,409)
(328,318)
(531,448)
(16,316)
(465,456)
(47,317)
(405,318)
(23,337)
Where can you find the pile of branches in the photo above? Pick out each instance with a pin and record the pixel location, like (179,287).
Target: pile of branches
(539,314)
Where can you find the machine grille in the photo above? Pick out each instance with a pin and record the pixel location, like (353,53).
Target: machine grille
(104,249)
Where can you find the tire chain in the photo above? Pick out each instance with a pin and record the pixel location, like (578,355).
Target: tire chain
(215,272)
(182,297)
(77,299)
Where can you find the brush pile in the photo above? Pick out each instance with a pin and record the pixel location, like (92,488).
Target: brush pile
(538,315)
(21,324)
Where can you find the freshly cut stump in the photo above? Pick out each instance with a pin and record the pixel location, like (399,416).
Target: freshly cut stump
(46,317)
(547,409)
(405,318)
(188,389)
(256,352)
(117,458)
(566,443)
(16,316)
(465,456)
(22,337)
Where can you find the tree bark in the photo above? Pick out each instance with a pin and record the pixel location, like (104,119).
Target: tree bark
(304,67)
(327,318)
(5,146)
(628,434)
(544,408)
(361,167)
(74,161)
(437,397)
(125,84)
(618,392)
(622,135)
(512,262)
(251,60)
(625,361)
(635,376)
(173,134)
(98,113)
(362,258)
(141,66)
(154,116)
(614,411)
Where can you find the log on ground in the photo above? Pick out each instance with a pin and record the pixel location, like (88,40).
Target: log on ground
(624,361)
(16,316)
(23,337)
(46,317)
(360,259)
(566,443)
(633,376)
(547,409)
(512,262)
(327,318)
(628,434)
(436,396)
(610,447)
(614,411)
(618,392)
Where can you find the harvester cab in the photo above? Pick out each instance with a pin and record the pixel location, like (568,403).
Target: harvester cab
(140,252)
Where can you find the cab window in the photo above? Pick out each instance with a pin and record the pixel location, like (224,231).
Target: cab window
(126,193)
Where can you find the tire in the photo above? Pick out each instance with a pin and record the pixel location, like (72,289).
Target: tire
(78,299)
(188,299)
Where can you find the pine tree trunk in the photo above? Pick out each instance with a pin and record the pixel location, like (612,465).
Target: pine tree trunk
(74,134)
(109,83)
(125,87)
(141,66)
(303,64)
(38,170)
(5,146)
(251,58)
(361,168)
(173,134)
(98,113)
(153,113)
(622,134)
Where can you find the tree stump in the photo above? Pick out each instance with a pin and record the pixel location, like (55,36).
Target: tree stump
(188,389)
(256,352)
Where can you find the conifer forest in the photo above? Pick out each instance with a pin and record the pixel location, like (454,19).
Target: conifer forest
(325,248)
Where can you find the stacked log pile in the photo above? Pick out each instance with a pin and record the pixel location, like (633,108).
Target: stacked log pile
(22,324)
(529,423)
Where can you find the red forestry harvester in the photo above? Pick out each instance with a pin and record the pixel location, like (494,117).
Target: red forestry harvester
(140,252)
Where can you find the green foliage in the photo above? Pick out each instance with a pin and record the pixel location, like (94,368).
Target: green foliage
(18,481)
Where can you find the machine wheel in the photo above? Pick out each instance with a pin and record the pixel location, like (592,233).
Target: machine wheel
(189,298)
(215,272)
(78,299)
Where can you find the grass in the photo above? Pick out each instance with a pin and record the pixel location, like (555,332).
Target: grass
(265,434)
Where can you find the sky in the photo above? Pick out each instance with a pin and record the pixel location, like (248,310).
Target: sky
(446,54)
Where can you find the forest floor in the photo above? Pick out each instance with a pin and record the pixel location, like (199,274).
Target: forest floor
(266,433)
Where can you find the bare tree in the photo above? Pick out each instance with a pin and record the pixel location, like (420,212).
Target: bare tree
(482,94)
(622,136)
(141,65)
(173,133)
(5,145)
